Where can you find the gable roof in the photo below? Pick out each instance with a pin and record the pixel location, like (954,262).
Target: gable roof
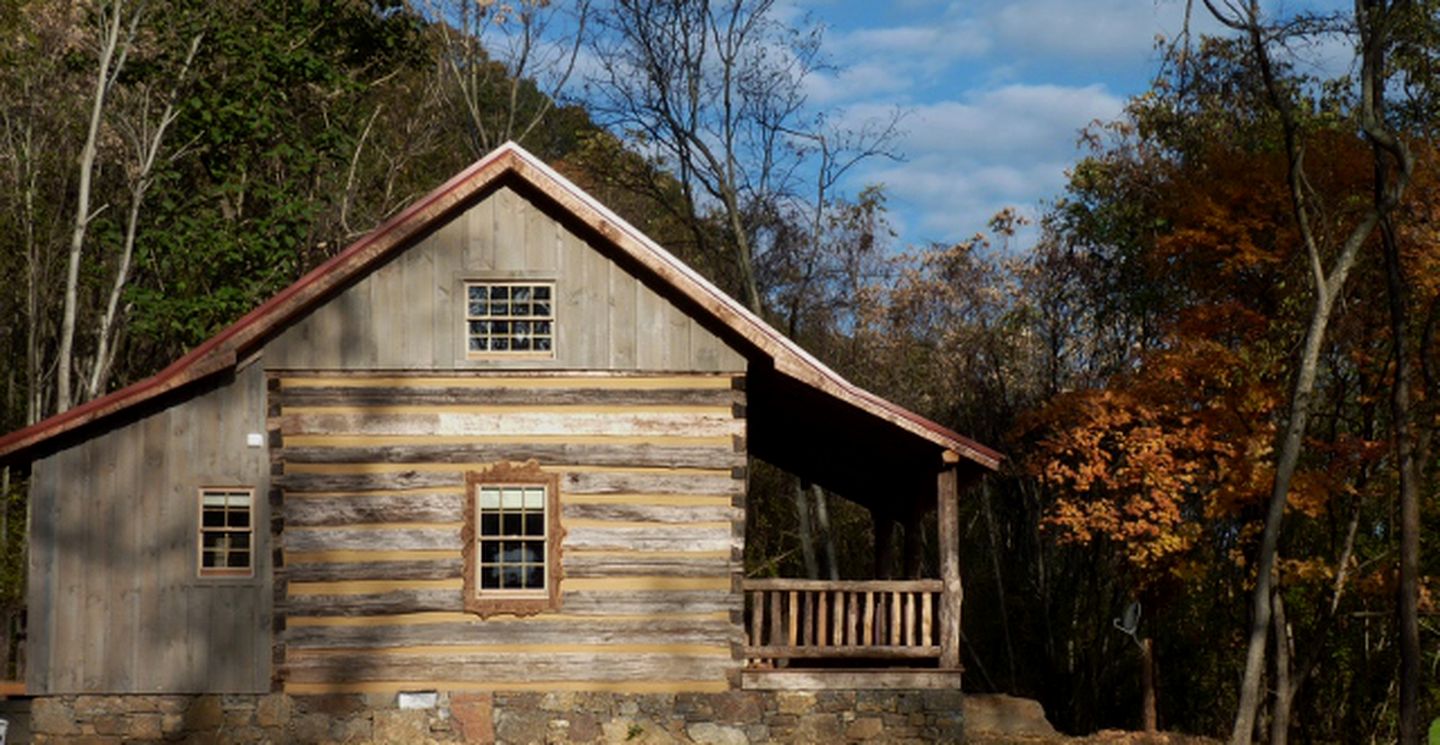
(221,352)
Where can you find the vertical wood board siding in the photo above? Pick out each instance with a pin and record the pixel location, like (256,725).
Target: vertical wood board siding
(372,540)
(114,601)
(408,314)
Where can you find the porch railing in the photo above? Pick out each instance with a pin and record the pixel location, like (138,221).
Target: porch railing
(867,619)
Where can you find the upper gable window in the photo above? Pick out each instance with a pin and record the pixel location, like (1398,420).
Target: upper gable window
(510,319)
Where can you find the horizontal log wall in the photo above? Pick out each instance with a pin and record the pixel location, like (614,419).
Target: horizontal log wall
(409,314)
(372,469)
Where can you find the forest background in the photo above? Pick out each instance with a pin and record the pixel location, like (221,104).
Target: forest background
(1213,371)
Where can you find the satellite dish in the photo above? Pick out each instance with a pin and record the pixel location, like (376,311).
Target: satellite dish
(1129,623)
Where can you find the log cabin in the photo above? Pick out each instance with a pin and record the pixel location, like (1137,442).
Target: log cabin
(498,444)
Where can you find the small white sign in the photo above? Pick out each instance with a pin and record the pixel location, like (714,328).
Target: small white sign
(418,699)
(255,440)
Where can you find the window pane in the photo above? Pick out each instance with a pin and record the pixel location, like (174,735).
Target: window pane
(478,345)
(513,499)
(489,578)
(213,499)
(211,559)
(240,559)
(212,540)
(511,551)
(535,577)
(510,523)
(542,309)
(500,345)
(533,552)
(535,523)
(239,499)
(240,541)
(476,292)
(542,344)
(534,498)
(542,292)
(489,498)
(489,523)
(238,518)
(489,552)
(212,517)
(499,292)
(520,293)
(511,577)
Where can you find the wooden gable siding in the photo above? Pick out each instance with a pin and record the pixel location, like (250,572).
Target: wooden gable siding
(408,314)
(373,495)
(114,602)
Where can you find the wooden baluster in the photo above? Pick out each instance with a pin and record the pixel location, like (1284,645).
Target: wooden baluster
(852,622)
(894,619)
(909,619)
(822,633)
(925,619)
(838,621)
(794,618)
(757,604)
(867,636)
(775,619)
(807,618)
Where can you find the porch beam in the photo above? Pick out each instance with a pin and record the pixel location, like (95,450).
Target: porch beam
(947,492)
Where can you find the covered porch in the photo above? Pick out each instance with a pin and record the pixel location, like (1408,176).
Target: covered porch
(877,632)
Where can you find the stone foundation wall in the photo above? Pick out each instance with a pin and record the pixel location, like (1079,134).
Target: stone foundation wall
(733,718)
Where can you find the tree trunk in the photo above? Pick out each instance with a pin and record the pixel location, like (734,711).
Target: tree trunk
(1402,418)
(827,536)
(806,532)
(1285,683)
(1148,719)
(104,78)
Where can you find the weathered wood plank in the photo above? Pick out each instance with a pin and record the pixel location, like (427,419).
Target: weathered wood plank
(580,565)
(650,512)
(340,539)
(651,483)
(529,631)
(647,602)
(397,601)
(360,482)
(657,538)
(504,667)
(374,570)
(641,455)
(622,318)
(415,508)
(423,393)
(589,423)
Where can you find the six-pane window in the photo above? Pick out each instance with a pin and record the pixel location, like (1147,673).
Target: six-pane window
(510,318)
(511,536)
(226,533)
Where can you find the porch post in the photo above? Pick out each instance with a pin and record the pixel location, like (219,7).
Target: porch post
(947,490)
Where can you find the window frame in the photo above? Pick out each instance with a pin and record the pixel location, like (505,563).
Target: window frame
(224,573)
(508,354)
(517,602)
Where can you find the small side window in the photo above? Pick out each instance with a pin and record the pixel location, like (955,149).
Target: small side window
(227,532)
(509,319)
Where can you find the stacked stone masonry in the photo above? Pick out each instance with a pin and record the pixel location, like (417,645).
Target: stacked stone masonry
(733,718)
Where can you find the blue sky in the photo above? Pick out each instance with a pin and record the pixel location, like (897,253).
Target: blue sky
(996,92)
